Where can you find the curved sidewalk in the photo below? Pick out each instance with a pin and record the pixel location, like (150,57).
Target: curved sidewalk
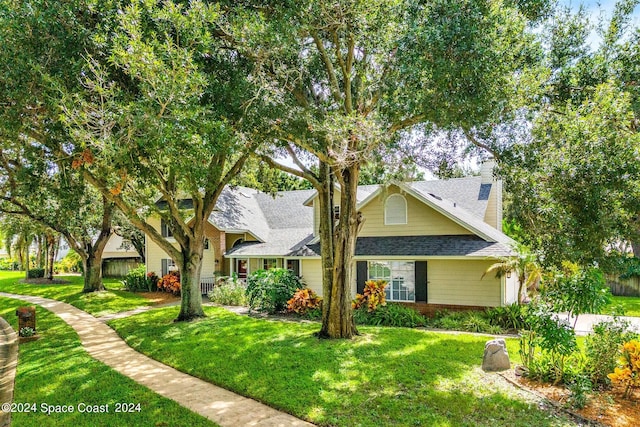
(215,403)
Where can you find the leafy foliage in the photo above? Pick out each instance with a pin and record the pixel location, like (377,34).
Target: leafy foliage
(35,273)
(137,280)
(372,296)
(269,290)
(170,283)
(576,290)
(470,321)
(602,348)
(389,315)
(71,263)
(303,301)
(229,292)
(510,317)
(627,374)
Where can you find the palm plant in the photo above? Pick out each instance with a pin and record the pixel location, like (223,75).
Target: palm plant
(525,265)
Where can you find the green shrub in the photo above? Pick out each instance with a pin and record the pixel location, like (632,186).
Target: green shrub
(389,315)
(35,273)
(602,348)
(469,321)
(8,264)
(229,292)
(512,317)
(269,290)
(71,263)
(137,280)
(579,387)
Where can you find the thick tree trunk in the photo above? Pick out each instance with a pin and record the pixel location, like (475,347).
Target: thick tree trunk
(338,315)
(191,298)
(92,265)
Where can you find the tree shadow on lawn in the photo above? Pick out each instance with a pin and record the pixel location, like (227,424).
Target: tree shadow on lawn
(385,376)
(56,370)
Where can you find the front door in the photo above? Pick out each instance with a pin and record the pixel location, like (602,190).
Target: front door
(242,266)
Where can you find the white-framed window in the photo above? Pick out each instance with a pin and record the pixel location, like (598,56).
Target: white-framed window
(206,244)
(168,265)
(400,277)
(395,210)
(336,212)
(269,263)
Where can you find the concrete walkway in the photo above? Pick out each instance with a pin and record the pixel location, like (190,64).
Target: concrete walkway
(215,403)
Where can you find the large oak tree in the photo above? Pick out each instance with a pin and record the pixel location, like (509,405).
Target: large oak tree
(344,78)
(159,121)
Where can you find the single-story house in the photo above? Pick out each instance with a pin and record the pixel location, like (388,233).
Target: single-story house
(431,241)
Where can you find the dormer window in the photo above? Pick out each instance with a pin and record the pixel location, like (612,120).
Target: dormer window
(336,212)
(395,210)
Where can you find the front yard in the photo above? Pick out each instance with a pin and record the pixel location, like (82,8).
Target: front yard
(386,376)
(113,300)
(56,371)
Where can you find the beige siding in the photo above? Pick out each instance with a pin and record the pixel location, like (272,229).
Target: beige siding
(492,215)
(312,274)
(155,254)
(231,238)
(460,282)
(316,216)
(421,220)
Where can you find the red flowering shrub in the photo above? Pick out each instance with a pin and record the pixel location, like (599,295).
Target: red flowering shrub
(170,283)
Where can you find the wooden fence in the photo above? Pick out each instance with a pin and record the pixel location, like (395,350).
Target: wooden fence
(624,287)
(118,267)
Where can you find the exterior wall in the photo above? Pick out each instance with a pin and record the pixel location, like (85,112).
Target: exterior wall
(231,238)
(312,274)
(113,249)
(217,247)
(155,254)
(421,220)
(460,282)
(493,214)
(511,289)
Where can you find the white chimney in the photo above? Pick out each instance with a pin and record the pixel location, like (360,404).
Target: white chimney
(493,214)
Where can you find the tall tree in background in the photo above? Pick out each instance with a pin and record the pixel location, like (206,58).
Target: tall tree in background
(155,130)
(344,78)
(575,182)
(43,47)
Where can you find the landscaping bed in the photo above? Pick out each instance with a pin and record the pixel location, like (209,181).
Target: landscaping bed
(608,407)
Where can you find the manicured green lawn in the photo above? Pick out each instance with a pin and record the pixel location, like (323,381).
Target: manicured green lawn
(387,376)
(96,303)
(630,305)
(55,370)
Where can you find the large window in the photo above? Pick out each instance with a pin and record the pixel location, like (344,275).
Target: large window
(269,263)
(400,276)
(395,210)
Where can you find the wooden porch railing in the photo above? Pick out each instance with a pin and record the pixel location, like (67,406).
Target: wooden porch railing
(207,284)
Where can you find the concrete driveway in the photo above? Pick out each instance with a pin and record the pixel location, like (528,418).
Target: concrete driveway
(587,321)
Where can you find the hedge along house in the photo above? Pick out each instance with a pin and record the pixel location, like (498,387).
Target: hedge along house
(431,241)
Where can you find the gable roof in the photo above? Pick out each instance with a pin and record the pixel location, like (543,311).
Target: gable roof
(283,223)
(279,222)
